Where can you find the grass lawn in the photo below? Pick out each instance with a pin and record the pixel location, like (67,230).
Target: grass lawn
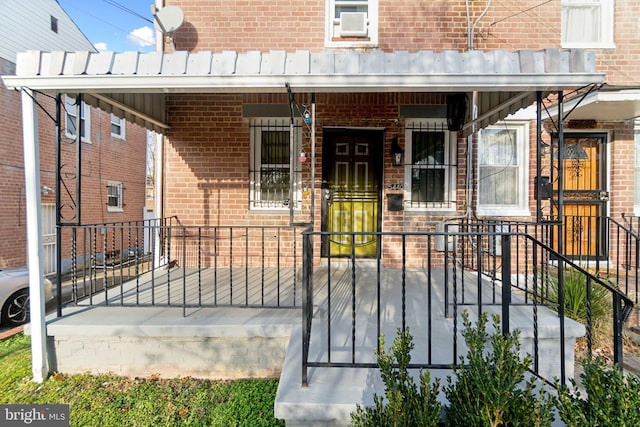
(108,400)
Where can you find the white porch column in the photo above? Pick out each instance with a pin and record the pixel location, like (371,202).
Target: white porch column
(39,362)
(158,176)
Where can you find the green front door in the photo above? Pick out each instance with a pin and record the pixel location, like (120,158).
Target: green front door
(352,162)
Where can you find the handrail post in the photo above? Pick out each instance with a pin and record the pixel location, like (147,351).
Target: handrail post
(617,330)
(506,282)
(307,299)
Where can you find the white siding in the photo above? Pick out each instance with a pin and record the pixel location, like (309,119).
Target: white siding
(26,25)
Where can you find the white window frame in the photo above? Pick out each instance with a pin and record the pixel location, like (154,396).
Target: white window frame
(273,124)
(450,154)
(119,188)
(332,24)
(605,17)
(521,207)
(121,124)
(70,110)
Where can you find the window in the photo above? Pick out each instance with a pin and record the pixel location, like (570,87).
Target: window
(114,196)
(503,170)
(587,23)
(351,23)
(271,164)
(117,127)
(54,24)
(71,113)
(430,166)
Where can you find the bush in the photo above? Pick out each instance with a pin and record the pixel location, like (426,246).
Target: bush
(613,399)
(405,404)
(489,389)
(575,298)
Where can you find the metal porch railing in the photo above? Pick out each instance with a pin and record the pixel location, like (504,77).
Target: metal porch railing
(605,247)
(440,274)
(164,263)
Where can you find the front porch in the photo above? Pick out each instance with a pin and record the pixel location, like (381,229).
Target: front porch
(133,330)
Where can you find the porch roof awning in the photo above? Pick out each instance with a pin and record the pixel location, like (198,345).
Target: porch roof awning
(134,85)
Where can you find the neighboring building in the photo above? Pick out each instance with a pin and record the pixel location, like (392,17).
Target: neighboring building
(113,151)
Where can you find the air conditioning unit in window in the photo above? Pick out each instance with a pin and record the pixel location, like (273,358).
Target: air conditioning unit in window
(353,24)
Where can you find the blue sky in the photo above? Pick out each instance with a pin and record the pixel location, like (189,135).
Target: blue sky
(109,27)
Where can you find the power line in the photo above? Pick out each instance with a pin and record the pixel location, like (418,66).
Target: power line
(126,9)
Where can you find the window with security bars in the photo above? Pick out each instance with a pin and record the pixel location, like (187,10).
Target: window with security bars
(271,159)
(430,165)
(114,197)
(503,170)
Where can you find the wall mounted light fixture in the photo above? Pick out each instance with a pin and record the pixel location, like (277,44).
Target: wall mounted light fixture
(396,152)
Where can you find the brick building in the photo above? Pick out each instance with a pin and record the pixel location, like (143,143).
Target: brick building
(218,170)
(358,119)
(113,151)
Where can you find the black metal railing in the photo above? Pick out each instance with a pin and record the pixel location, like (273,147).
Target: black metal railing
(348,304)
(164,263)
(605,247)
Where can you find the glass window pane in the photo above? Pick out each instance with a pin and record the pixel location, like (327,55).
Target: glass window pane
(428,148)
(274,184)
(498,147)
(498,186)
(275,147)
(581,23)
(427,185)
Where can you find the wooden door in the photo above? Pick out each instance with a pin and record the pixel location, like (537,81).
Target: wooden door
(351,191)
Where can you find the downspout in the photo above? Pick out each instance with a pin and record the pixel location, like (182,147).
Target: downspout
(39,359)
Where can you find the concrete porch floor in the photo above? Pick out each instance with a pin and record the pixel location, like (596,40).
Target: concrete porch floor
(228,342)
(333,392)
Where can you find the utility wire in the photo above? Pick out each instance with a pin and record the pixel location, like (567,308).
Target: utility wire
(126,9)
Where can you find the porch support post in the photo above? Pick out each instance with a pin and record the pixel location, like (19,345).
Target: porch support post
(560,207)
(39,362)
(506,282)
(156,228)
(538,182)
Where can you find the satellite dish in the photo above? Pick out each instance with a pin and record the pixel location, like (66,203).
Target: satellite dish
(167,20)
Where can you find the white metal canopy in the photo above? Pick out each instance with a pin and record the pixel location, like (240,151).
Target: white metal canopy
(134,85)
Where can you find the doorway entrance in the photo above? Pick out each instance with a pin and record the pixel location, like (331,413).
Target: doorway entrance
(351,191)
(585,196)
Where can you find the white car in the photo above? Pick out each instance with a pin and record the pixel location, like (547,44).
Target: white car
(14,296)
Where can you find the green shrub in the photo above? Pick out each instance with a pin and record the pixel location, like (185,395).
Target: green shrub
(405,404)
(575,298)
(613,399)
(489,387)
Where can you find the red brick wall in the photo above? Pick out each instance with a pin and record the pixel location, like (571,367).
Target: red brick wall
(104,159)
(410,25)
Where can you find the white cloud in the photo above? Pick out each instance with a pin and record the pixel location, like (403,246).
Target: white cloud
(143,36)
(101,46)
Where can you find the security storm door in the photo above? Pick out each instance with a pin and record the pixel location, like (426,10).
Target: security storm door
(585,195)
(352,161)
